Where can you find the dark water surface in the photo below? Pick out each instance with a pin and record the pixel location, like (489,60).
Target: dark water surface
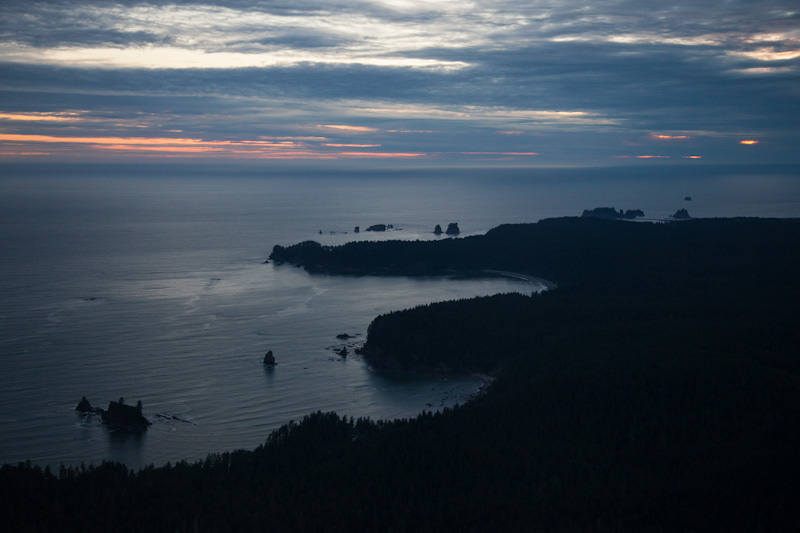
(155,289)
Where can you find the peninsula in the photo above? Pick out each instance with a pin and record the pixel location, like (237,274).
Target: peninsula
(656,389)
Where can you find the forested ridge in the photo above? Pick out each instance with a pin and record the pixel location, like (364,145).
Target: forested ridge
(563,250)
(657,389)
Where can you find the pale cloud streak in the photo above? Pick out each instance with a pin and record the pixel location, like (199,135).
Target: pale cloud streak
(495,115)
(206,36)
(350,129)
(418,79)
(65,116)
(171,57)
(767,54)
(665,137)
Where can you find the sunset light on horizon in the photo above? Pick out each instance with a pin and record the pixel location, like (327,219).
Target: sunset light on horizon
(569,83)
(399,265)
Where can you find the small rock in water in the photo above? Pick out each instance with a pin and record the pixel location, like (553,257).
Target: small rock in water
(269,359)
(84,406)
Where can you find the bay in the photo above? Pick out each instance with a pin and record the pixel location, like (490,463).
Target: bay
(153,287)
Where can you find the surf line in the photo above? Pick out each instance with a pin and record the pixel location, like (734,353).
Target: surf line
(548,285)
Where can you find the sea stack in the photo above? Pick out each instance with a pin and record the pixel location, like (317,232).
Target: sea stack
(437,230)
(269,359)
(452,229)
(84,406)
(125,417)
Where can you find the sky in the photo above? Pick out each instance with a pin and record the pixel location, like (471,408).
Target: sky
(500,82)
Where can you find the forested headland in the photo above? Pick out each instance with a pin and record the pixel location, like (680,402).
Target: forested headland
(658,388)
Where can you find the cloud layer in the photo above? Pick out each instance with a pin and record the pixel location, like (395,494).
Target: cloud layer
(530,82)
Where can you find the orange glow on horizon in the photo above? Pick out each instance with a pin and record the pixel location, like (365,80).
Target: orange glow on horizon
(380,154)
(95,140)
(499,153)
(339,145)
(655,157)
(139,141)
(187,147)
(48,117)
(139,148)
(669,137)
(749,141)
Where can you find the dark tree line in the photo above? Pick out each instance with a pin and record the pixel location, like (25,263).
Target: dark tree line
(656,389)
(572,250)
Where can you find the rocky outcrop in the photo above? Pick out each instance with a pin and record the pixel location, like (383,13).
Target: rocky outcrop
(84,406)
(612,214)
(452,229)
(377,227)
(602,212)
(118,416)
(125,417)
(269,359)
(357,229)
(437,230)
(681,214)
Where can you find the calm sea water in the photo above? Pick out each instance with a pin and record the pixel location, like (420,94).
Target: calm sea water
(154,288)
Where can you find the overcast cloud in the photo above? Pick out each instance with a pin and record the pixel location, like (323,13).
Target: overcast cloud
(527,82)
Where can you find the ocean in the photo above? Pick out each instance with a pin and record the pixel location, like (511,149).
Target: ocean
(152,285)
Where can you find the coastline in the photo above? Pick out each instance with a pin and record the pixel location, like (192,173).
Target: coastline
(485,379)
(548,285)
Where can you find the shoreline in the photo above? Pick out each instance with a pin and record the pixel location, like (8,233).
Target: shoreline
(548,285)
(485,379)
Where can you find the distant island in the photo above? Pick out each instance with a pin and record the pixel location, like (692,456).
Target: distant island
(118,415)
(656,389)
(612,214)
(379,227)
